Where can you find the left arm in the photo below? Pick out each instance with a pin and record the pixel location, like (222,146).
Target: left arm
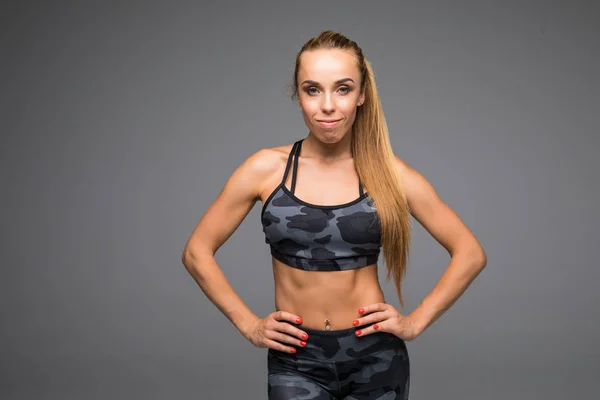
(467,256)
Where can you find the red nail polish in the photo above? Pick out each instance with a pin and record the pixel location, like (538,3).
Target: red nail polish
(375,326)
(298,320)
(303,344)
(355,322)
(361,310)
(358,333)
(293,351)
(304,336)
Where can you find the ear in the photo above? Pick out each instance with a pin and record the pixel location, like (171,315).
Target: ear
(361,99)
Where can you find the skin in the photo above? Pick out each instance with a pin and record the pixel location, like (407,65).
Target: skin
(329,88)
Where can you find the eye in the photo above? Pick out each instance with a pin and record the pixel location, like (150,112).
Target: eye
(311,90)
(344,89)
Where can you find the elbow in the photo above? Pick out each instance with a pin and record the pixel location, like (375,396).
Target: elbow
(185,259)
(192,255)
(188,258)
(480,258)
(475,256)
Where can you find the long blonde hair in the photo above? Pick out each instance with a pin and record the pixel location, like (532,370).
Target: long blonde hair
(374,160)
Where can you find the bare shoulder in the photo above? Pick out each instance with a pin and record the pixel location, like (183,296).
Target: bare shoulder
(268,159)
(267,164)
(402,166)
(421,196)
(412,180)
(262,161)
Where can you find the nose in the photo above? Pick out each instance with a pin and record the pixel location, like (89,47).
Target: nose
(327,104)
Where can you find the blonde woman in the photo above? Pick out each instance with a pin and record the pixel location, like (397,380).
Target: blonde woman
(331,202)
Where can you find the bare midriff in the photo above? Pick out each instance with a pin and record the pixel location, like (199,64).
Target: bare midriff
(320,296)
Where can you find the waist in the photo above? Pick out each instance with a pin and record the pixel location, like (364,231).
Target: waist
(338,346)
(326,299)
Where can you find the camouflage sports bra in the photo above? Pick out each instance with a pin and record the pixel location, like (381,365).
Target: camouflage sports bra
(320,238)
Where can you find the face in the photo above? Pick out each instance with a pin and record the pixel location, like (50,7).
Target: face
(329,92)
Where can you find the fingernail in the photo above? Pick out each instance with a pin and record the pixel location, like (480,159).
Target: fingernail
(298,320)
(303,344)
(355,322)
(293,351)
(304,336)
(361,310)
(358,333)
(375,326)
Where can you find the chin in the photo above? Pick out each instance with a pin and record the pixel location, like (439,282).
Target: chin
(330,138)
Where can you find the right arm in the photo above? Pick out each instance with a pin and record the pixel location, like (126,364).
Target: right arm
(222,218)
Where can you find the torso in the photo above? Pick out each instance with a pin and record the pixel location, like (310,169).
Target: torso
(318,296)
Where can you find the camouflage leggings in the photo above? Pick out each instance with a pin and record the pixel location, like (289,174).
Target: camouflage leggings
(340,365)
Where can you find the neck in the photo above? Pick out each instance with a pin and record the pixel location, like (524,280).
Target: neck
(315,148)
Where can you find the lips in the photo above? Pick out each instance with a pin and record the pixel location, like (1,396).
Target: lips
(328,123)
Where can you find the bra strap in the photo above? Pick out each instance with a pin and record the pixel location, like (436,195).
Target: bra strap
(289,163)
(295,169)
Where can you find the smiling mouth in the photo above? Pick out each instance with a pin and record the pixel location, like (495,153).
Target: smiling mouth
(328,124)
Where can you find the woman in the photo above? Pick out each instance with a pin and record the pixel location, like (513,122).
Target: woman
(331,201)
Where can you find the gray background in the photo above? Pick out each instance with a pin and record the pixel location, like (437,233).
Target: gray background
(121,121)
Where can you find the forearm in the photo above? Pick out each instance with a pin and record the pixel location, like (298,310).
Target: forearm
(207,274)
(462,270)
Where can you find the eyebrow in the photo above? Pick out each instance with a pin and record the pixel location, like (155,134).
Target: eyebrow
(336,82)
